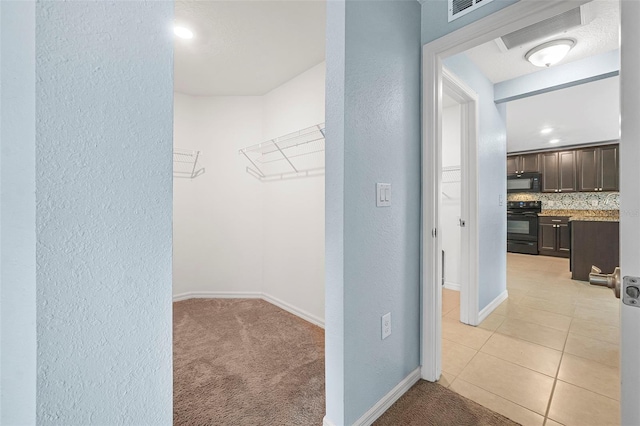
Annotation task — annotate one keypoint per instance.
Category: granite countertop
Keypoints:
(585, 215)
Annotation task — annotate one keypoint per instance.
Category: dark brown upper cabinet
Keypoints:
(525, 163)
(598, 169)
(558, 171)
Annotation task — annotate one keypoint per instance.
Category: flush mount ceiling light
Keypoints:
(546, 130)
(183, 32)
(549, 53)
(554, 141)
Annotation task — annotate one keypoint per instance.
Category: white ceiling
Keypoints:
(246, 47)
(599, 36)
(578, 115)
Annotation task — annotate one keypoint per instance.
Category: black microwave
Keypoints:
(523, 182)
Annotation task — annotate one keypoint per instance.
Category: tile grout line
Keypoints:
(555, 380)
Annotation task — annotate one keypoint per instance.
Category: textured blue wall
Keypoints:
(17, 214)
(104, 105)
(492, 183)
(373, 118)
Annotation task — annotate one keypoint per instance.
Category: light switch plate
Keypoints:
(383, 194)
(386, 325)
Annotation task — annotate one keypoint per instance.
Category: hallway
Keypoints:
(547, 355)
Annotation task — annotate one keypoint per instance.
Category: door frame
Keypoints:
(512, 18)
(468, 100)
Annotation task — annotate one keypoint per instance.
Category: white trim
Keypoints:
(519, 15)
(451, 286)
(251, 295)
(295, 311)
(326, 422)
(389, 399)
(469, 110)
(217, 295)
(484, 313)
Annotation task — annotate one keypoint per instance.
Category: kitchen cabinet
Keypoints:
(558, 171)
(525, 163)
(594, 244)
(598, 169)
(554, 236)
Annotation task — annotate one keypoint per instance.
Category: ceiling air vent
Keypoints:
(548, 28)
(458, 8)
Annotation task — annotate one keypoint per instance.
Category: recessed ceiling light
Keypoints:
(183, 32)
(549, 53)
(554, 141)
(546, 130)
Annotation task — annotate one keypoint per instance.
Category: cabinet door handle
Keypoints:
(556, 220)
(556, 190)
(559, 190)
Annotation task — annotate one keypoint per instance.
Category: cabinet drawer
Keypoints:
(554, 220)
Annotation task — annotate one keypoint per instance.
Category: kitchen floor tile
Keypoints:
(548, 319)
(446, 379)
(498, 404)
(455, 356)
(533, 333)
(556, 306)
(535, 357)
(472, 337)
(595, 330)
(572, 405)
(510, 381)
(593, 349)
(590, 375)
(492, 322)
(603, 316)
(454, 313)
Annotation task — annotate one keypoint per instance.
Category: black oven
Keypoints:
(522, 226)
(523, 182)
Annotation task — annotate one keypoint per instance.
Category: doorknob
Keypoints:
(596, 277)
(462, 223)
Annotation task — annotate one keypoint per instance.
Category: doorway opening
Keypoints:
(248, 271)
(483, 353)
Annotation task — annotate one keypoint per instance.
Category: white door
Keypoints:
(630, 206)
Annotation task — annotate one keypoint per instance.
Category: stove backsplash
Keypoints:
(571, 200)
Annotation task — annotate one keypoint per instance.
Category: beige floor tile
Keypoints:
(450, 300)
(510, 381)
(603, 316)
(454, 313)
(563, 307)
(495, 403)
(572, 405)
(517, 295)
(492, 322)
(455, 356)
(550, 422)
(549, 319)
(535, 357)
(590, 375)
(596, 330)
(599, 303)
(446, 379)
(466, 335)
(533, 333)
(593, 349)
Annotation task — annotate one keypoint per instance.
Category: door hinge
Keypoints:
(434, 232)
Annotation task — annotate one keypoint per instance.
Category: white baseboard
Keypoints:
(251, 295)
(217, 295)
(451, 286)
(388, 400)
(327, 422)
(492, 306)
(292, 309)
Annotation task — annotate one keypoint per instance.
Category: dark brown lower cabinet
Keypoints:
(594, 243)
(553, 236)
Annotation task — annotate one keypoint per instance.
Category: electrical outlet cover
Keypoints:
(386, 325)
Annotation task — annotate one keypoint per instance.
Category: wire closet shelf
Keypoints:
(295, 155)
(185, 163)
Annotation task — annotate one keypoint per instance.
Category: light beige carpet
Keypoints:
(245, 362)
(430, 404)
